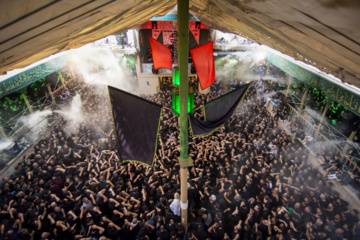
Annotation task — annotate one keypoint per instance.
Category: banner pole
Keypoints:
(183, 59)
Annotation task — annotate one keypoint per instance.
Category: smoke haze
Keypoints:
(36, 122)
(101, 67)
(73, 114)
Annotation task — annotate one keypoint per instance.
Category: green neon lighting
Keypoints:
(175, 77)
(176, 102)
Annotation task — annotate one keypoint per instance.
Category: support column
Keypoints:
(267, 69)
(183, 56)
(213, 35)
(304, 98)
(73, 76)
(223, 81)
(184, 197)
(138, 65)
(2, 132)
(347, 145)
(322, 119)
(61, 79)
(135, 39)
(289, 80)
(27, 103)
(50, 92)
(239, 73)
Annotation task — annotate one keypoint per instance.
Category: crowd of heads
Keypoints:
(250, 180)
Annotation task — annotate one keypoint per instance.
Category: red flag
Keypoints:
(203, 59)
(161, 54)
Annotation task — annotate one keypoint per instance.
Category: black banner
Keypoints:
(136, 122)
(218, 111)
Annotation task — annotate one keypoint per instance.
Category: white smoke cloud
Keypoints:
(36, 123)
(312, 114)
(73, 114)
(245, 61)
(5, 144)
(101, 67)
(266, 95)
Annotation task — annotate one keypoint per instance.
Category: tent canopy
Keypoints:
(321, 33)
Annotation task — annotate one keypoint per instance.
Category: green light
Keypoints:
(175, 77)
(176, 101)
(190, 102)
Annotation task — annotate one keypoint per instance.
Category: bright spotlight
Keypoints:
(261, 55)
(73, 59)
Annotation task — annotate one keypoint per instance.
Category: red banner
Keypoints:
(203, 59)
(168, 25)
(165, 25)
(161, 54)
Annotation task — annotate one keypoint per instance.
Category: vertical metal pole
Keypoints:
(346, 147)
(136, 45)
(267, 69)
(183, 59)
(138, 60)
(289, 80)
(138, 65)
(214, 36)
(73, 76)
(50, 92)
(61, 79)
(322, 118)
(304, 98)
(240, 73)
(27, 103)
(223, 81)
(2, 132)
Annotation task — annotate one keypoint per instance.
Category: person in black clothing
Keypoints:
(162, 233)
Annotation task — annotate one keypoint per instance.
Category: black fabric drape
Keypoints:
(144, 43)
(192, 41)
(204, 36)
(161, 38)
(218, 111)
(136, 122)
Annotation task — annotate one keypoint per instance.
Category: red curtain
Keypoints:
(203, 59)
(161, 54)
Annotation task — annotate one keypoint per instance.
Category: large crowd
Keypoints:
(250, 180)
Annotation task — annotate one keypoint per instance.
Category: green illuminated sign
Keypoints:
(176, 101)
(175, 77)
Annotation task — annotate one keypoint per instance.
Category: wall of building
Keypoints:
(148, 83)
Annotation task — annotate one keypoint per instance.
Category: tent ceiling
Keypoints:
(323, 33)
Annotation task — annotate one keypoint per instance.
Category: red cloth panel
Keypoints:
(203, 59)
(161, 54)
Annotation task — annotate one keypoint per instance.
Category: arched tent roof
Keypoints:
(323, 33)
